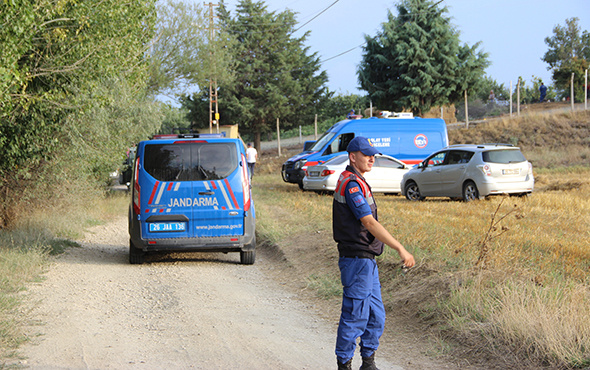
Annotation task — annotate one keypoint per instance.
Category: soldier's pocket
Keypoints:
(355, 275)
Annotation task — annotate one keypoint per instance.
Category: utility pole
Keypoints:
(213, 114)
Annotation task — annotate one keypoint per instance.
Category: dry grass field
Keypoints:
(506, 277)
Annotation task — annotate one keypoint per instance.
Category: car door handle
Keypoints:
(206, 192)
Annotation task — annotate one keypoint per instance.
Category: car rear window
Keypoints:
(337, 160)
(190, 161)
(503, 156)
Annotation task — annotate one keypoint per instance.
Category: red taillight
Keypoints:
(486, 169)
(327, 172)
(136, 188)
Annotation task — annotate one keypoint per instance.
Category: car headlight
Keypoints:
(299, 163)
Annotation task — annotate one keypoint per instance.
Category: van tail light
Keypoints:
(245, 184)
(327, 173)
(136, 188)
(486, 169)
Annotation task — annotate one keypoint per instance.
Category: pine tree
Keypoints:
(569, 52)
(416, 61)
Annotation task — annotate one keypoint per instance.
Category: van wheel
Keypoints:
(413, 192)
(470, 191)
(247, 257)
(136, 256)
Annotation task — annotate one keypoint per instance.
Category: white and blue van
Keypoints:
(407, 138)
(191, 193)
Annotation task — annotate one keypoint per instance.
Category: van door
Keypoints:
(218, 207)
(163, 195)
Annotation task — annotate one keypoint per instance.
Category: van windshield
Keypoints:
(322, 141)
(190, 161)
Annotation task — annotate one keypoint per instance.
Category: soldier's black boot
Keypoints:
(345, 366)
(369, 363)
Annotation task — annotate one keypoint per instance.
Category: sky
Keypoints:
(512, 32)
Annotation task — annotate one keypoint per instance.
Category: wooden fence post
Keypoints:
(572, 91)
(315, 127)
(518, 97)
(586, 91)
(278, 138)
(510, 98)
(466, 111)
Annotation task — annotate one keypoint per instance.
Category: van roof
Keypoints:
(379, 122)
(192, 135)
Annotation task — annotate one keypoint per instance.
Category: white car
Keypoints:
(470, 172)
(385, 176)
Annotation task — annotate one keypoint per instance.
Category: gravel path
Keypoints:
(95, 311)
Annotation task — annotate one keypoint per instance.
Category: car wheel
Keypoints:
(136, 255)
(412, 192)
(470, 191)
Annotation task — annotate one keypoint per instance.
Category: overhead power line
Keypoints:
(317, 15)
(344, 52)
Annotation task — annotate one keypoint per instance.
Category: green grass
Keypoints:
(325, 286)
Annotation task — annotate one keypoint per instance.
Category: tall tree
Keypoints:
(183, 54)
(62, 63)
(275, 75)
(416, 61)
(569, 52)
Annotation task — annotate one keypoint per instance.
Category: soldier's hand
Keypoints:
(408, 259)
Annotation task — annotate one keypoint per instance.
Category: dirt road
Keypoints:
(95, 311)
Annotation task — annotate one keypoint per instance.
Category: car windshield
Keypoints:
(503, 156)
(190, 161)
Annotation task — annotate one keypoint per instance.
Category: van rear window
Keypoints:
(503, 156)
(190, 161)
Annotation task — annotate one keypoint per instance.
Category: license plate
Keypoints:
(167, 226)
(314, 173)
(511, 171)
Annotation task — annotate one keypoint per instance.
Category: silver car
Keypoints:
(470, 172)
(385, 176)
